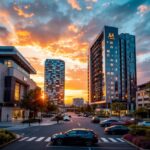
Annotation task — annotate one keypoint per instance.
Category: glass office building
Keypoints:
(55, 80)
(106, 71)
(128, 69)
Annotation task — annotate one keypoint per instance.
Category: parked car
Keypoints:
(66, 118)
(95, 120)
(144, 123)
(118, 123)
(116, 129)
(75, 136)
(107, 122)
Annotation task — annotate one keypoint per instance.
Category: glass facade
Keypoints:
(112, 68)
(128, 68)
(54, 80)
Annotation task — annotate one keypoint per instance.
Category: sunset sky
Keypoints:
(64, 29)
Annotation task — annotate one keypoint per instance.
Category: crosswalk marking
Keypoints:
(23, 138)
(119, 139)
(48, 139)
(112, 140)
(39, 139)
(104, 140)
(31, 139)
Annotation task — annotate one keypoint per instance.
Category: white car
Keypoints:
(144, 123)
(66, 118)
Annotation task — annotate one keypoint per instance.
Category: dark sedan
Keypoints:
(107, 123)
(116, 129)
(95, 120)
(75, 136)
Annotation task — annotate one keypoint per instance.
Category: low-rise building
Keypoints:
(78, 102)
(15, 82)
(143, 96)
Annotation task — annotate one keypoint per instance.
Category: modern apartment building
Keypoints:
(15, 82)
(55, 80)
(106, 68)
(143, 96)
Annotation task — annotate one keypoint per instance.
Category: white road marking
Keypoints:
(48, 139)
(113, 140)
(39, 139)
(119, 139)
(31, 139)
(23, 139)
(104, 140)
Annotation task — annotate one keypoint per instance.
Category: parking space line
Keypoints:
(39, 139)
(31, 139)
(48, 139)
(112, 140)
(104, 140)
(23, 138)
(119, 139)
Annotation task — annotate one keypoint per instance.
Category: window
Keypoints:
(111, 64)
(8, 63)
(17, 91)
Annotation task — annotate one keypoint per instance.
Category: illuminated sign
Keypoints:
(111, 36)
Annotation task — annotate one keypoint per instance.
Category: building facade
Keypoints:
(78, 102)
(15, 82)
(128, 69)
(106, 68)
(55, 80)
(143, 96)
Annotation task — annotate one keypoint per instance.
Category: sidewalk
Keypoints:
(17, 125)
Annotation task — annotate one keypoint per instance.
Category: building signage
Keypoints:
(111, 36)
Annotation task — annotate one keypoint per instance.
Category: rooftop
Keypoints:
(12, 52)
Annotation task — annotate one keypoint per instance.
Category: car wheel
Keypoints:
(89, 143)
(59, 142)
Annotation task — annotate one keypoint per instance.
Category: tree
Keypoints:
(33, 102)
(51, 107)
(141, 112)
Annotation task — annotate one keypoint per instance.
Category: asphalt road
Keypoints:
(38, 137)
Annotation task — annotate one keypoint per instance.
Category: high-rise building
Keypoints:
(128, 69)
(55, 80)
(15, 82)
(106, 67)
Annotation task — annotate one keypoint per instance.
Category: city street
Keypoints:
(38, 137)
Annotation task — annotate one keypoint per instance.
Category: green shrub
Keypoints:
(138, 131)
(6, 136)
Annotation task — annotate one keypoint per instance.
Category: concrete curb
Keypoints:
(140, 148)
(17, 138)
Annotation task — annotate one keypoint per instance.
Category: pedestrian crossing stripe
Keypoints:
(39, 139)
(48, 139)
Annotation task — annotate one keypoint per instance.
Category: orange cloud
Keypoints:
(74, 4)
(73, 28)
(21, 13)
